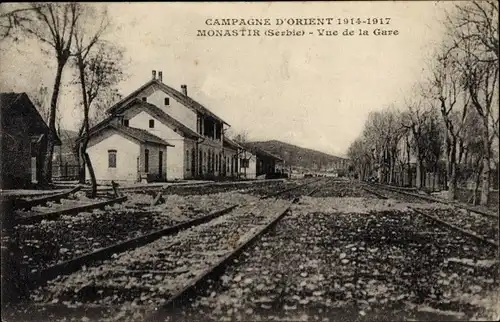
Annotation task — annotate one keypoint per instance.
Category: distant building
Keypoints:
(232, 151)
(260, 163)
(247, 165)
(23, 140)
(65, 163)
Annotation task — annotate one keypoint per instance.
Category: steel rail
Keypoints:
(428, 198)
(187, 186)
(96, 309)
(453, 227)
(31, 219)
(75, 264)
(442, 222)
(28, 204)
(275, 194)
(72, 265)
(214, 271)
(379, 195)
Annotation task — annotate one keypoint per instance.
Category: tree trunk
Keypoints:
(92, 175)
(452, 168)
(86, 125)
(81, 164)
(477, 181)
(51, 138)
(408, 147)
(485, 176)
(391, 173)
(485, 187)
(452, 185)
(418, 179)
(80, 159)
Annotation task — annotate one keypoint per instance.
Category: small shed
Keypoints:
(23, 138)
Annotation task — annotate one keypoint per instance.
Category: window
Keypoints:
(245, 163)
(146, 160)
(111, 158)
(151, 124)
(144, 99)
(125, 122)
(187, 160)
(167, 101)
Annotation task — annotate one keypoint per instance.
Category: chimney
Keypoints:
(184, 90)
(160, 76)
(154, 74)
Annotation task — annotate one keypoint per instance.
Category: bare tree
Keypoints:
(107, 97)
(361, 158)
(414, 120)
(240, 137)
(53, 25)
(98, 68)
(445, 87)
(383, 131)
(41, 100)
(374, 138)
(473, 29)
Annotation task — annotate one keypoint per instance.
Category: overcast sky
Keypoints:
(311, 91)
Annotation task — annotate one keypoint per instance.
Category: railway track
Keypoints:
(194, 188)
(28, 203)
(55, 247)
(161, 264)
(413, 193)
(477, 225)
(344, 266)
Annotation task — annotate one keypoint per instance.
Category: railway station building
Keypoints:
(189, 139)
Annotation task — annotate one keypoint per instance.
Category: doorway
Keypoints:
(160, 164)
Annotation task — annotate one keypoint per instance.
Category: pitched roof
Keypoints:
(157, 112)
(141, 135)
(21, 103)
(231, 143)
(138, 134)
(178, 96)
(257, 150)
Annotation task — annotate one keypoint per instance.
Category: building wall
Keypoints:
(190, 155)
(126, 156)
(153, 171)
(212, 153)
(175, 161)
(265, 165)
(15, 156)
(251, 171)
(179, 163)
(230, 155)
(175, 109)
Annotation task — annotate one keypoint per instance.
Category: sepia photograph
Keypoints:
(249, 161)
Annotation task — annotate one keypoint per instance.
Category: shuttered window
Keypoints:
(111, 158)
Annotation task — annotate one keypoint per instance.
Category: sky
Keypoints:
(312, 91)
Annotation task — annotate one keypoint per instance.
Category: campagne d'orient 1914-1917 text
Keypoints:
(296, 27)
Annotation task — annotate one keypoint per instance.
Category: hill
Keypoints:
(299, 157)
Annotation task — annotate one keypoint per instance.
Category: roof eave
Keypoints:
(165, 143)
(123, 100)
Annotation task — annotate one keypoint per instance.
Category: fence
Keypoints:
(64, 172)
